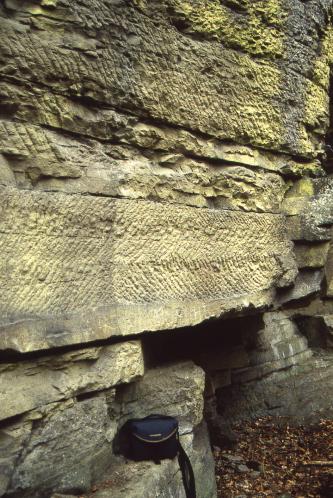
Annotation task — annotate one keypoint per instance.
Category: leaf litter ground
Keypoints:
(269, 461)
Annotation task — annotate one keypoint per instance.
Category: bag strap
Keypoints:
(187, 472)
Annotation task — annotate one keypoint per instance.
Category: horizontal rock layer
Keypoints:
(181, 80)
(113, 257)
(54, 378)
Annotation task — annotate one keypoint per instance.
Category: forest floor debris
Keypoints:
(268, 461)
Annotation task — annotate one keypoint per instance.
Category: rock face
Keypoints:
(54, 378)
(163, 165)
(66, 446)
(271, 371)
(79, 253)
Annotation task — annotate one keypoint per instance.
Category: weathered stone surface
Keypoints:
(276, 346)
(126, 319)
(127, 69)
(7, 176)
(63, 163)
(329, 272)
(257, 349)
(81, 162)
(13, 437)
(175, 390)
(279, 350)
(66, 447)
(277, 327)
(307, 282)
(78, 252)
(318, 330)
(311, 210)
(69, 446)
(144, 158)
(315, 306)
(271, 366)
(298, 196)
(59, 377)
(302, 392)
(328, 319)
(311, 256)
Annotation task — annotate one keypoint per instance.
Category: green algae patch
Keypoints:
(253, 26)
(317, 102)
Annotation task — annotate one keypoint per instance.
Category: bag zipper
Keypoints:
(159, 441)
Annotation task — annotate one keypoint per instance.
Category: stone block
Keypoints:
(307, 282)
(175, 390)
(7, 176)
(53, 378)
(69, 446)
(329, 272)
(277, 327)
(13, 437)
(66, 447)
(279, 351)
(78, 268)
(298, 196)
(133, 175)
(184, 91)
(311, 256)
(312, 215)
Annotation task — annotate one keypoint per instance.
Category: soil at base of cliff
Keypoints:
(269, 461)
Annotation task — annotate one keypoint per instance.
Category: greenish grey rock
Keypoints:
(329, 272)
(66, 447)
(309, 205)
(276, 106)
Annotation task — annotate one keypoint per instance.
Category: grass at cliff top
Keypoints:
(274, 454)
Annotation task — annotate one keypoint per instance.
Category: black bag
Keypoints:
(155, 438)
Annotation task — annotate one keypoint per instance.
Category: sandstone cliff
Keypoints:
(165, 170)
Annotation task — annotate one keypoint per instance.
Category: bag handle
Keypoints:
(187, 472)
